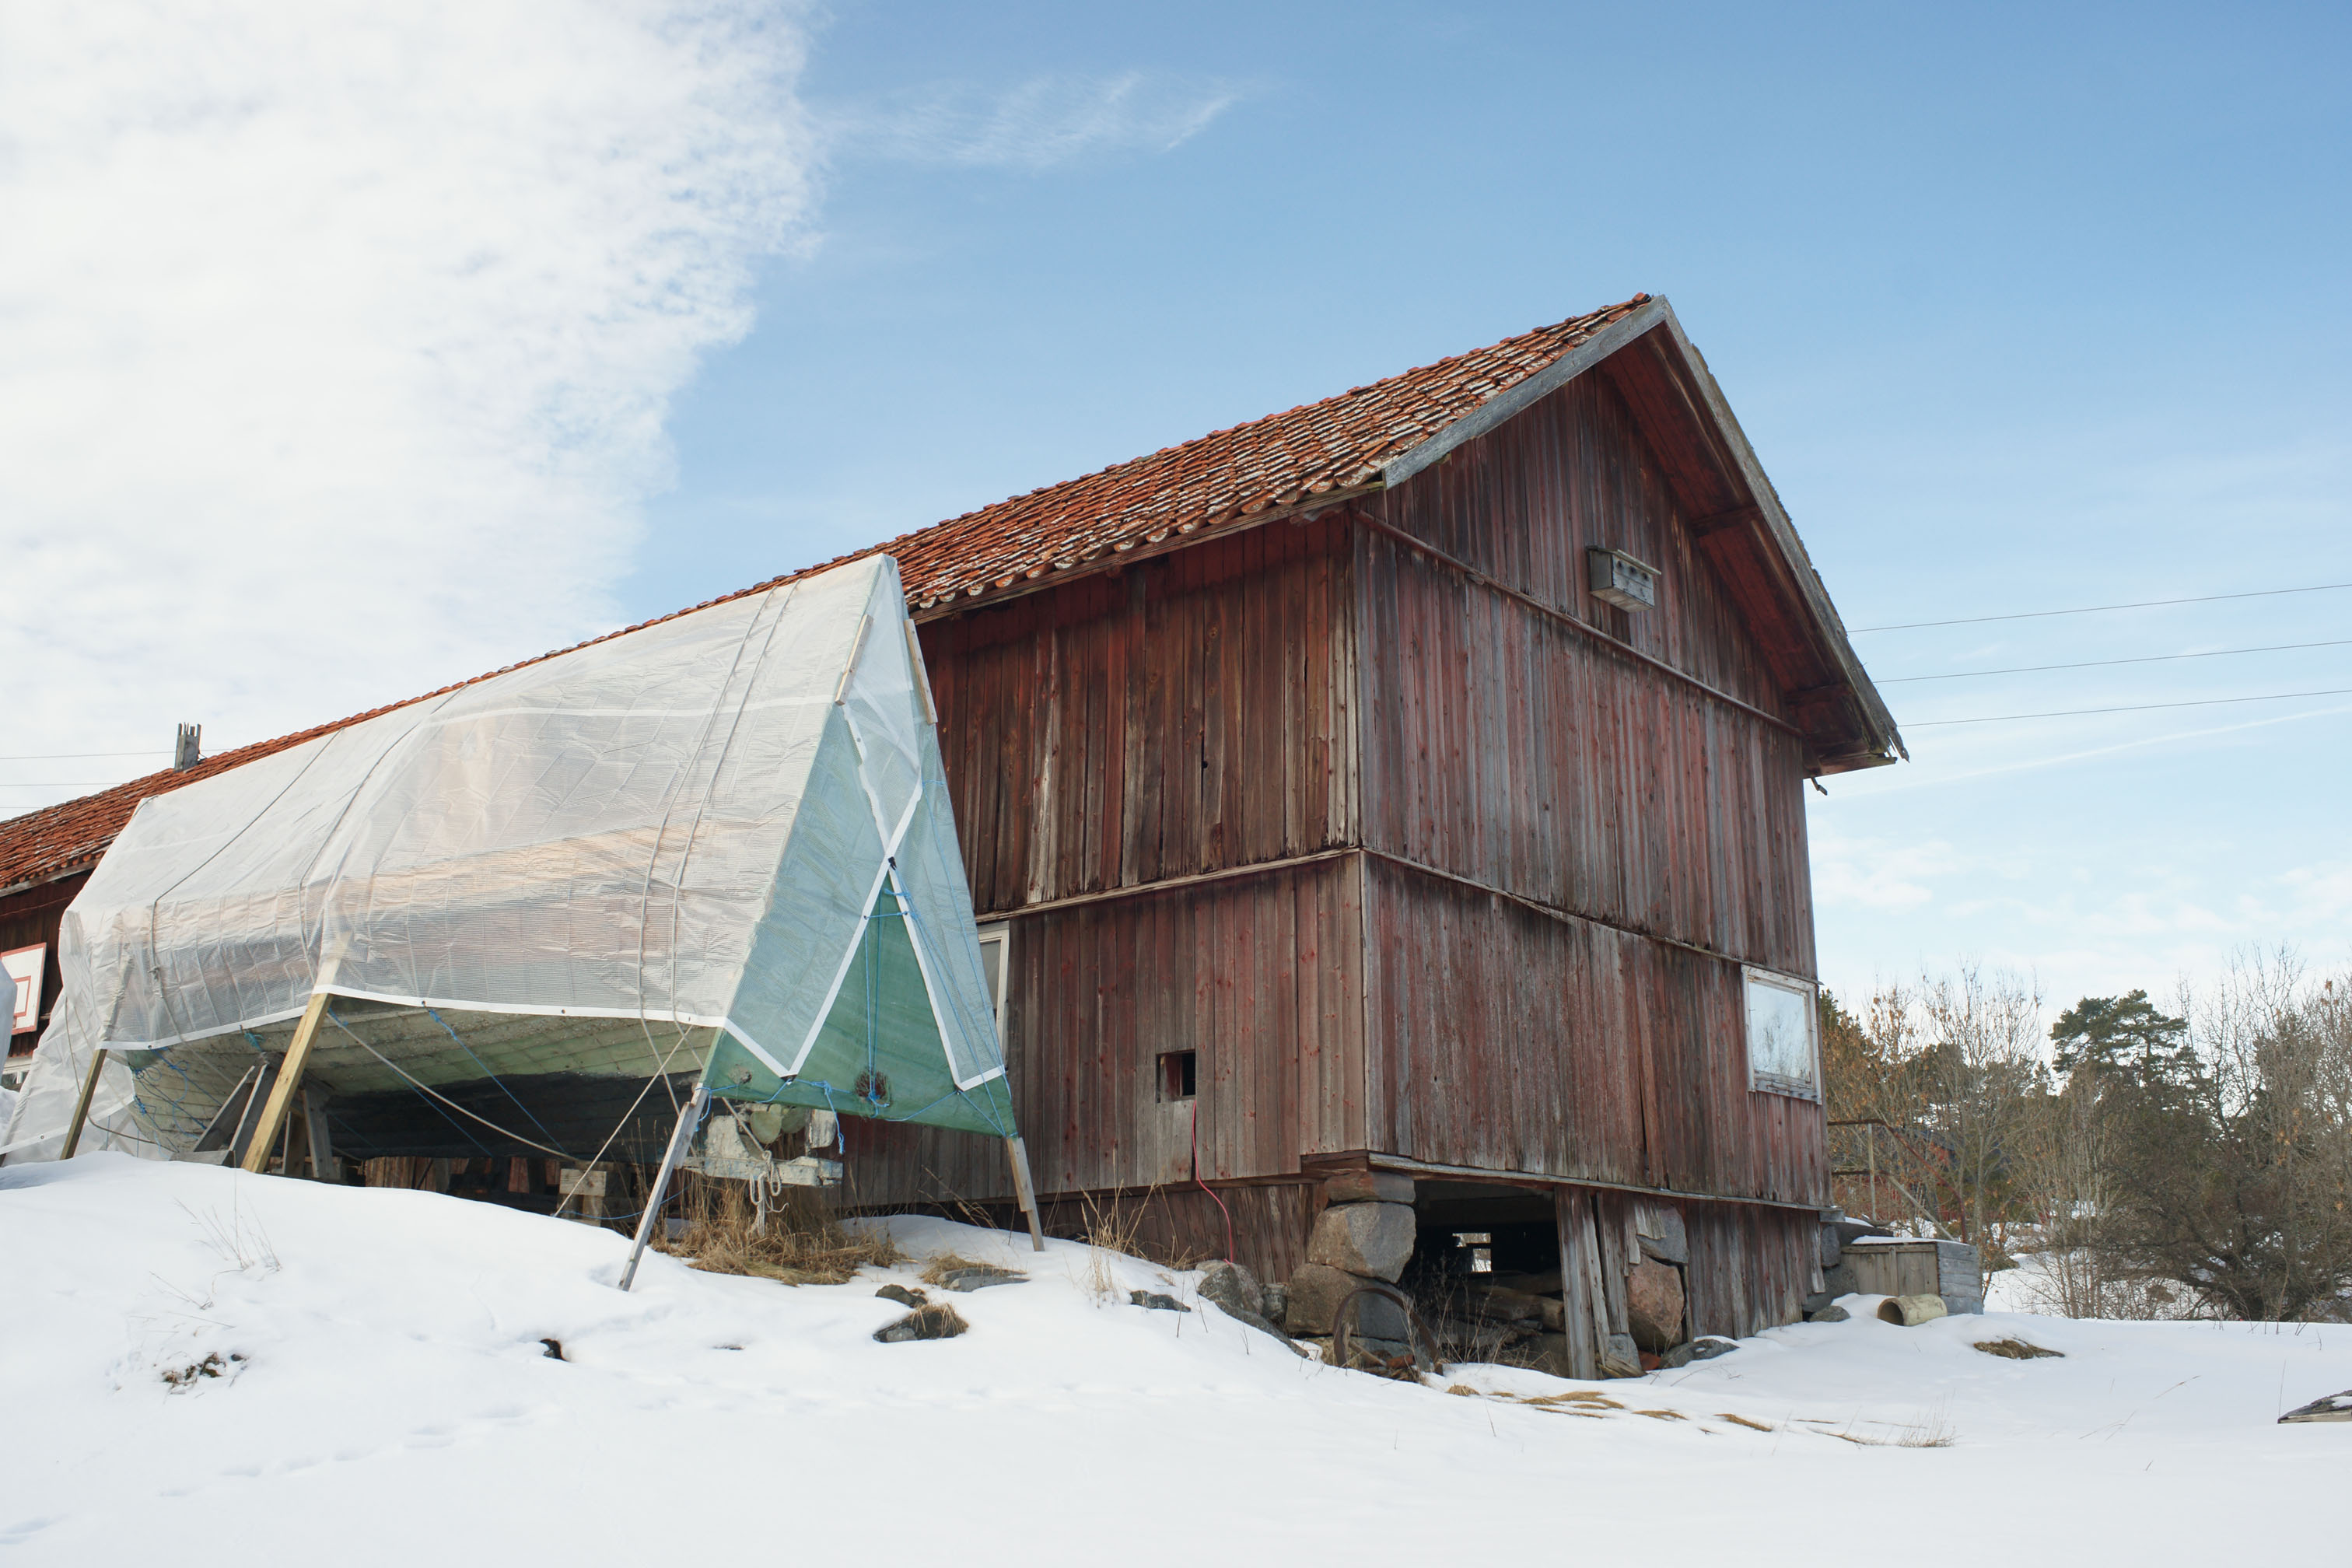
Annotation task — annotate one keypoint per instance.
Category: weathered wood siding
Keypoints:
(1505, 1037)
(1190, 719)
(1751, 1267)
(1259, 974)
(1542, 810)
(1193, 713)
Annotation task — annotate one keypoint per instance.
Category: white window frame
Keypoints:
(996, 953)
(1761, 1082)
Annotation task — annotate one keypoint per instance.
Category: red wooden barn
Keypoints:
(1397, 798)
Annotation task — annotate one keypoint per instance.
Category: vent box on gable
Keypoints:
(1617, 579)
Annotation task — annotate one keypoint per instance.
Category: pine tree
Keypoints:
(2123, 1037)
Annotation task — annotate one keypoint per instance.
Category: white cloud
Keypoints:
(339, 337)
(1855, 873)
(1045, 122)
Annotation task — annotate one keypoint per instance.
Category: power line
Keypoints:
(2102, 663)
(2094, 609)
(80, 757)
(2134, 707)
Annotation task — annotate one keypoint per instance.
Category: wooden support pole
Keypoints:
(687, 1120)
(1025, 1190)
(322, 1141)
(289, 1075)
(81, 1106)
(249, 1115)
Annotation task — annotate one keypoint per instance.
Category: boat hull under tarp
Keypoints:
(507, 1084)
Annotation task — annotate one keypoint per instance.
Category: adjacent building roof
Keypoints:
(1316, 453)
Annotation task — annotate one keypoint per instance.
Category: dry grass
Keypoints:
(801, 1244)
(1575, 1396)
(937, 1270)
(1111, 1233)
(1741, 1421)
(2016, 1350)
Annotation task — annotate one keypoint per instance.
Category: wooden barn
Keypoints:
(1395, 803)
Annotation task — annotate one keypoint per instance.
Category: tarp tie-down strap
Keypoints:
(445, 1100)
(494, 1077)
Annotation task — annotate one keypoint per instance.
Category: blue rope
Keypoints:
(494, 1077)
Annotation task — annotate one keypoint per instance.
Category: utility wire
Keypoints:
(2094, 609)
(2102, 663)
(2132, 708)
(77, 756)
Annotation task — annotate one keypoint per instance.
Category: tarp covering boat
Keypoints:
(727, 834)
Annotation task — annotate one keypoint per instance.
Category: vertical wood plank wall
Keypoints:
(1436, 864)
(1193, 713)
(1192, 716)
(1509, 752)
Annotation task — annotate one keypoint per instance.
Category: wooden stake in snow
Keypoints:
(687, 1120)
(1018, 1153)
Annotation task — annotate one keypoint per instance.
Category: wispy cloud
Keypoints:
(340, 336)
(1043, 122)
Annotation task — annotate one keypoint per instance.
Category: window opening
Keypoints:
(1179, 1077)
(995, 949)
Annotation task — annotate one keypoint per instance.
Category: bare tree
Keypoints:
(2238, 1175)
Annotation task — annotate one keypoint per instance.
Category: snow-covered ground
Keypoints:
(393, 1405)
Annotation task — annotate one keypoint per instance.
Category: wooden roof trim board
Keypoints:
(1742, 531)
(1298, 462)
(1501, 409)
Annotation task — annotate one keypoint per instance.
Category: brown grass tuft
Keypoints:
(937, 1270)
(803, 1244)
(2016, 1350)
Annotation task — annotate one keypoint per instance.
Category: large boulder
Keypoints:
(1832, 1248)
(1653, 1305)
(1619, 1358)
(1318, 1289)
(937, 1322)
(2328, 1407)
(1659, 1230)
(1234, 1288)
(1372, 1239)
(1368, 1187)
(1850, 1231)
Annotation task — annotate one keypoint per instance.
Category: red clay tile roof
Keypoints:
(1229, 476)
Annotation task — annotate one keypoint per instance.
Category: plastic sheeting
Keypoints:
(696, 824)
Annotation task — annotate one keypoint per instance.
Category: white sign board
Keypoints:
(24, 966)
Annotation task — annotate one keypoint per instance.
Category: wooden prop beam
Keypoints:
(290, 1077)
(81, 1106)
(689, 1120)
(322, 1142)
(1024, 1189)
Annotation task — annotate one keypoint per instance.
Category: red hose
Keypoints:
(1205, 1187)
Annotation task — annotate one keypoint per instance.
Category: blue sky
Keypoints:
(2023, 307)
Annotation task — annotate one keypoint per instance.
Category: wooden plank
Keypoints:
(290, 1077)
(81, 1103)
(1584, 1314)
(321, 1137)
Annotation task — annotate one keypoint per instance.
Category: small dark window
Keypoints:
(1177, 1078)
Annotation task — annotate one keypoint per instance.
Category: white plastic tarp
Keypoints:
(681, 824)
